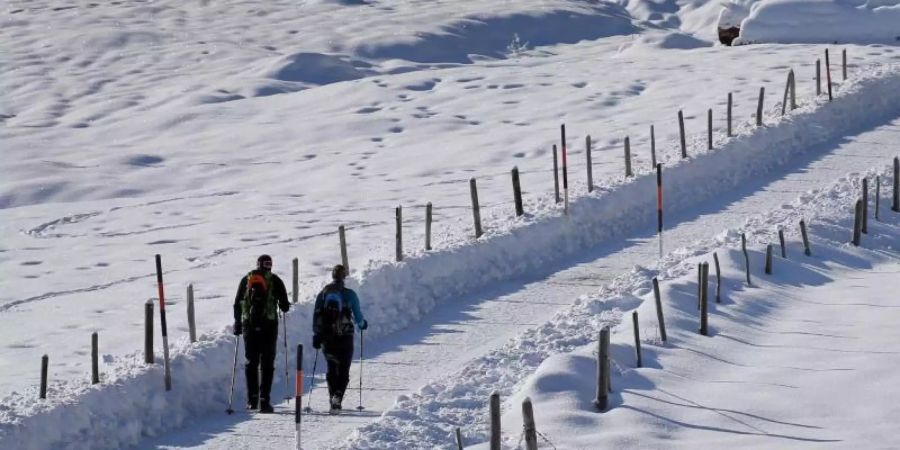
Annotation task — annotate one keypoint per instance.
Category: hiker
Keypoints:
(256, 304)
(336, 310)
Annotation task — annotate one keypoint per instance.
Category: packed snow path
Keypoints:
(458, 331)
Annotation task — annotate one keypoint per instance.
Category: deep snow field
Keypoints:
(212, 132)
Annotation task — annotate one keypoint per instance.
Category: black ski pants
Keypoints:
(338, 351)
(260, 347)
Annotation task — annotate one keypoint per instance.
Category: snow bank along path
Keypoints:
(805, 358)
(562, 387)
(133, 404)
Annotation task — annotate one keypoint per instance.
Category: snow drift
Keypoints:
(821, 21)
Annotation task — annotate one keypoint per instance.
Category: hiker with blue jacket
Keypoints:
(336, 311)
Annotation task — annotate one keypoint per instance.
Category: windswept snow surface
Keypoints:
(213, 132)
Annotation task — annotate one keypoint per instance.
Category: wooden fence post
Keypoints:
(530, 429)
(828, 74)
(652, 146)
(709, 130)
(342, 237)
(768, 259)
(793, 90)
(729, 114)
(565, 167)
(857, 223)
(699, 286)
(555, 175)
(495, 421)
(45, 363)
(896, 203)
(398, 214)
(865, 210)
(681, 131)
(659, 310)
(148, 332)
(781, 241)
(517, 192)
(476, 210)
(844, 63)
(628, 172)
(806, 249)
(295, 280)
(704, 299)
(428, 219)
(759, 107)
(601, 402)
(192, 323)
(459, 439)
(746, 257)
(787, 88)
(818, 77)
(590, 165)
(95, 358)
(718, 278)
(637, 338)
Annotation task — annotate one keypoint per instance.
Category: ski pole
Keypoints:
(312, 384)
(237, 343)
(298, 394)
(287, 389)
(361, 341)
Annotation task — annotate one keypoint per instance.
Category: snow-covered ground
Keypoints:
(213, 132)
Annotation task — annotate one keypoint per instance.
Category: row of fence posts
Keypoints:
(861, 208)
(517, 193)
(559, 153)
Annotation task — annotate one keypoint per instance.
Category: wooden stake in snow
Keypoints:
(590, 165)
(162, 322)
(652, 146)
(495, 421)
(628, 172)
(192, 324)
(659, 207)
(896, 203)
(709, 130)
(565, 169)
(95, 358)
(517, 192)
(789, 89)
(428, 219)
(759, 107)
(637, 338)
(768, 259)
(295, 280)
(828, 74)
(865, 211)
(398, 216)
(528, 425)
(45, 364)
(459, 439)
(704, 299)
(555, 175)
(857, 223)
(476, 210)
(718, 278)
(681, 131)
(746, 257)
(844, 63)
(781, 241)
(729, 114)
(601, 401)
(148, 332)
(659, 310)
(342, 237)
(806, 249)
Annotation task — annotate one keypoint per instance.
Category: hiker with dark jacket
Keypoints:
(336, 311)
(259, 296)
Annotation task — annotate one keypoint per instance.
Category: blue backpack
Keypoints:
(336, 314)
